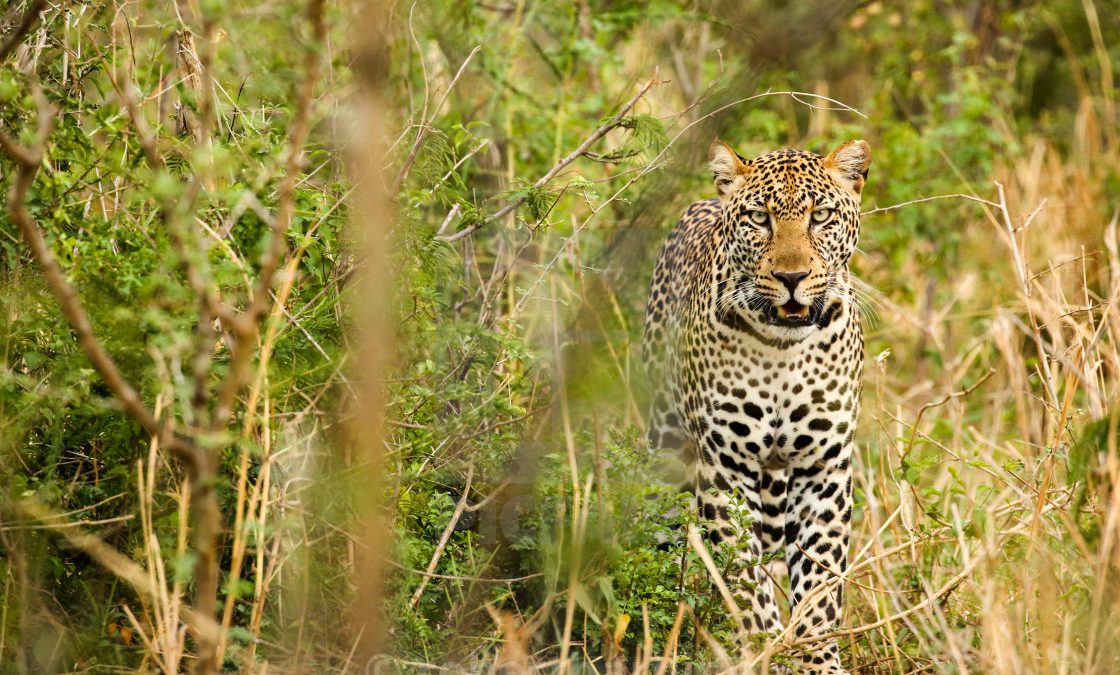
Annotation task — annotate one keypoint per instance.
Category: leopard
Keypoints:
(754, 350)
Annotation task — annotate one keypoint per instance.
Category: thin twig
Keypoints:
(1025, 288)
(958, 195)
(24, 27)
(697, 545)
(425, 126)
(485, 142)
(447, 221)
(447, 532)
(656, 163)
(246, 325)
(859, 630)
(455, 577)
(936, 404)
(559, 166)
(29, 160)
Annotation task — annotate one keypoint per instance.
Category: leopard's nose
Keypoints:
(790, 279)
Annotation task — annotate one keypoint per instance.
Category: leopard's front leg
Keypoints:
(733, 512)
(817, 529)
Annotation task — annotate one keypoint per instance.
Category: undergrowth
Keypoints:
(535, 155)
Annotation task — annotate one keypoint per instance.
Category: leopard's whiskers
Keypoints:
(867, 299)
(738, 293)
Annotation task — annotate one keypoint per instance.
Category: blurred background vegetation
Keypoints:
(535, 155)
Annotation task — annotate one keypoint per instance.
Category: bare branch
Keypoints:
(936, 404)
(447, 221)
(123, 567)
(245, 326)
(425, 127)
(29, 161)
(447, 532)
(894, 207)
(24, 27)
(562, 164)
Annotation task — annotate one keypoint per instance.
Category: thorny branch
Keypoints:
(246, 325)
(560, 166)
(28, 161)
(425, 125)
(27, 22)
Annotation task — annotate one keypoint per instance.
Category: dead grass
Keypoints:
(981, 543)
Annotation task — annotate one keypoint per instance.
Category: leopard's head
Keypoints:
(791, 222)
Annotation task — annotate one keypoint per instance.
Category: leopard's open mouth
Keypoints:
(793, 314)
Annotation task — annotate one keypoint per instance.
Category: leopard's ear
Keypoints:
(848, 164)
(728, 168)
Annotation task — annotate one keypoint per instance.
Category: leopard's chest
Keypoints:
(748, 404)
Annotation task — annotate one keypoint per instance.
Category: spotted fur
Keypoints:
(755, 355)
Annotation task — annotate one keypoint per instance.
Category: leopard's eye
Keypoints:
(760, 218)
(821, 216)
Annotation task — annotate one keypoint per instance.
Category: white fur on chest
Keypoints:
(775, 406)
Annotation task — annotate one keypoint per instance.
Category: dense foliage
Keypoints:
(536, 155)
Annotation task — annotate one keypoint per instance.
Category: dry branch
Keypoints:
(26, 23)
(931, 597)
(246, 326)
(444, 538)
(110, 558)
(425, 125)
(29, 160)
(559, 166)
(959, 195)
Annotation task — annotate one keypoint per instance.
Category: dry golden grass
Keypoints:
(987, 529)
(985, 558)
